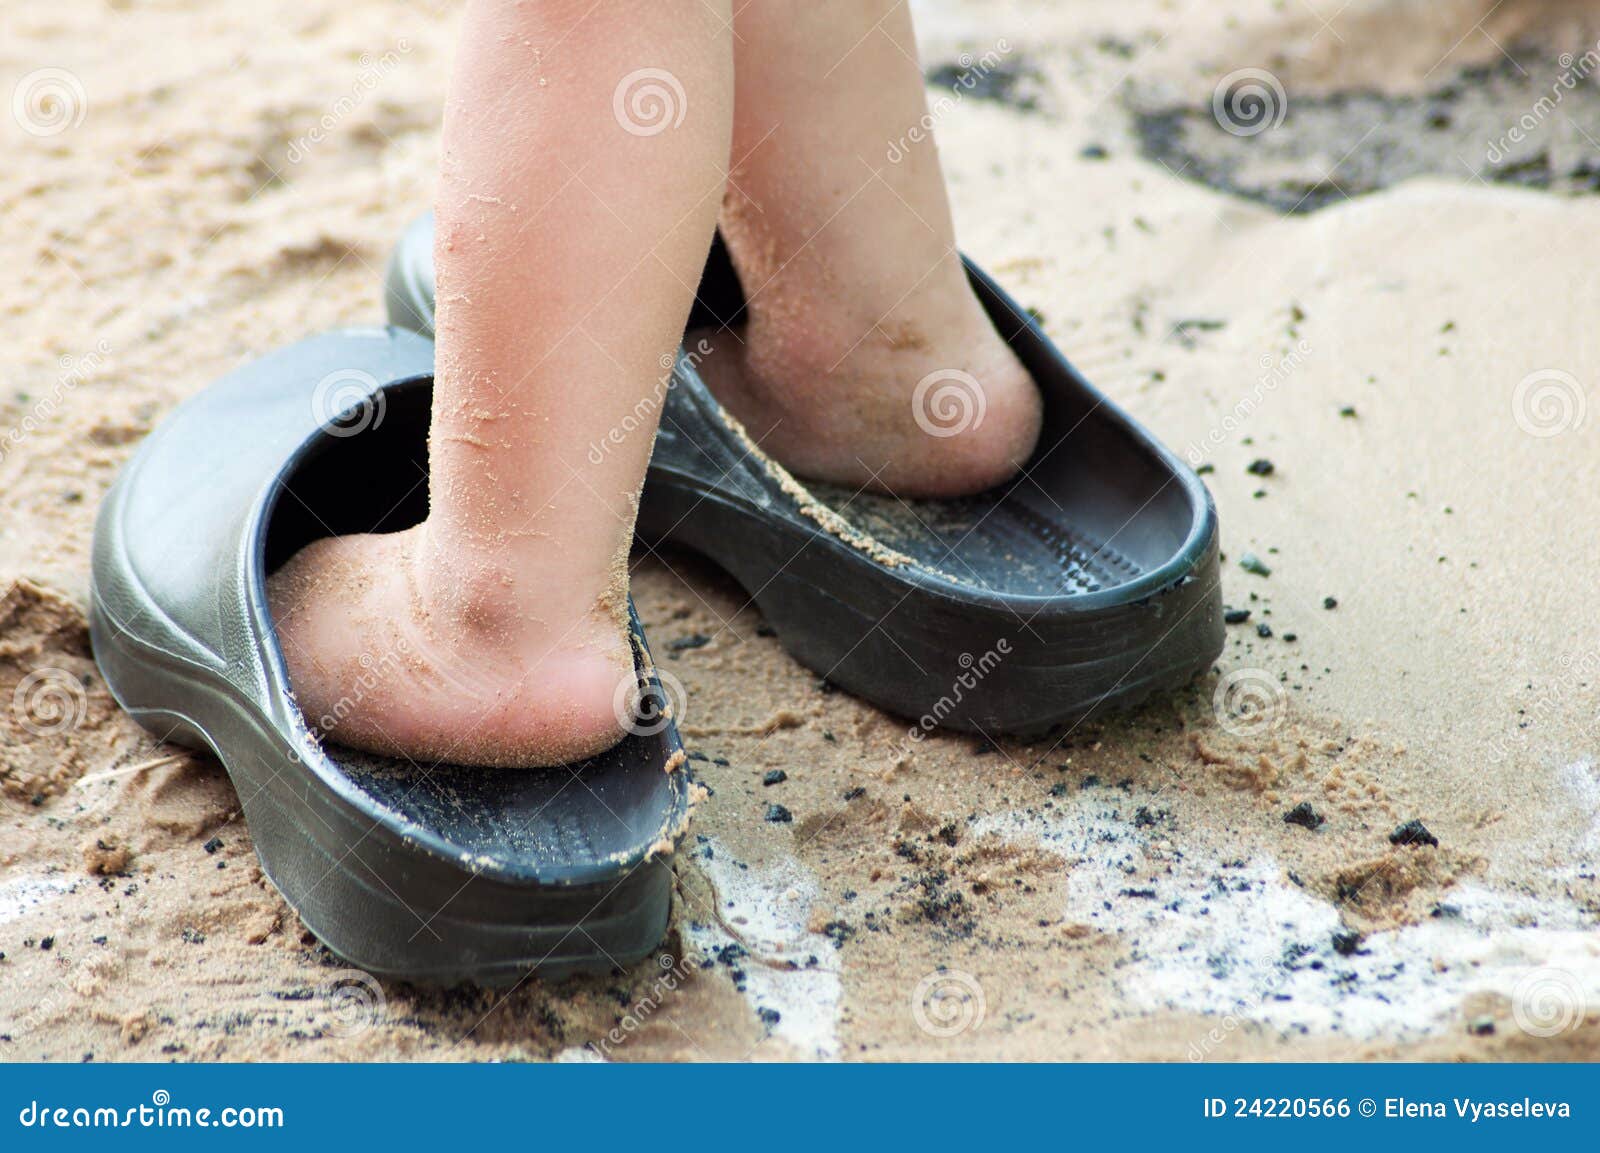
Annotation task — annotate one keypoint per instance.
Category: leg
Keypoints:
(574, 214)
(856, 290)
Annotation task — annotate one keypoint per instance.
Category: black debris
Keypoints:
(1304, 816)
(1233, 616)
(774, 777)
(778, 815)
(1261, 467)
(692, 641)
(1330, 603)
(1263, 630)
(1094, 152)
(213, 844)
(1251, 563)
(1347, 944)
(855, 793)
(1412, 834)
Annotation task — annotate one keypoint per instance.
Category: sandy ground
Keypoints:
(1417, 361)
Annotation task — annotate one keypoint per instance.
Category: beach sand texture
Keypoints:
(1389, 295)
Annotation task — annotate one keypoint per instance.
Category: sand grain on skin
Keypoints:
(1453, 684)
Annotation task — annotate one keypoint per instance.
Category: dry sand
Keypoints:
(1129, 891)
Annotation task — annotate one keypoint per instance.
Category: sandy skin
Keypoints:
(1400, 705)
(560, 295)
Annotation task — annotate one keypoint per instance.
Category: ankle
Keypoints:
(517, 600)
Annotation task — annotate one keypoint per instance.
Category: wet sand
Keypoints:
(1411, 352)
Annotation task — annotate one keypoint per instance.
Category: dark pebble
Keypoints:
(47, 943)
(1263, 630)
(1094, 152)
(855, 793)
(1412, 834)
(774, 777)
(779, 815)
(1251, 563)
(1235, 616)
(1347, 944)
(213, 844)
(692, 641)
(769, 1017)
(1261, 467)
(1304, 816)
(1330, 603)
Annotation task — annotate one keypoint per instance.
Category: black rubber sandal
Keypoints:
(1088, 583)
(440, 873)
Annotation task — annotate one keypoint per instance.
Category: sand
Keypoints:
(1129, 891)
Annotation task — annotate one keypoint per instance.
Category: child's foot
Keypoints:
(867, 358)
(397, 648)
(925, 400)
(583, 147)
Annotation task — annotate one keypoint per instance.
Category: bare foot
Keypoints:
(927, 401)
(392, 651)
(583, 149)
(867, 358)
